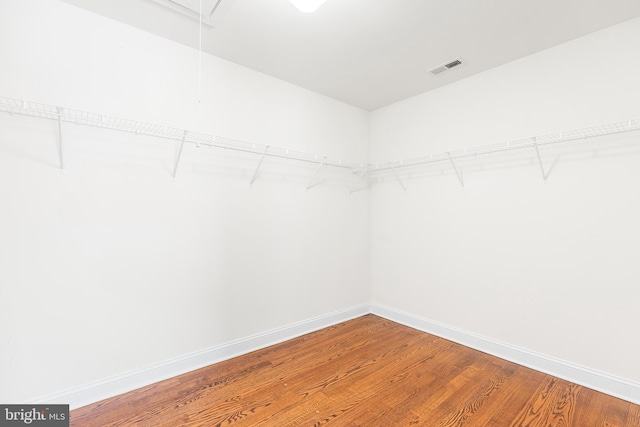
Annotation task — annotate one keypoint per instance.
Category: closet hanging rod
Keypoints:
(45, 111)
(549, 139)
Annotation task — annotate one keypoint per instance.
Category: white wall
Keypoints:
(552, 267)
(112, 265)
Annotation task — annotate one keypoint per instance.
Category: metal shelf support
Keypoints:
(360, 176)
(314, 175)
(545, 175)
(398, 179)
(458, 174)
(61, 158)
(175, 166)
(255, 174)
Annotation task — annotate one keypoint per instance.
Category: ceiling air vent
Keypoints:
(193, 8)
(453, 64)
(446, 67)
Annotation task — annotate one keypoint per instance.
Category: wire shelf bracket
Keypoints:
(61, 158)
(255, 174)
(399, 180)
(361, 175)
(545, 175)
(458, 173)
(175, 166)
(311, 184)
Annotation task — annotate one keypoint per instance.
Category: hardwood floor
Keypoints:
(365, 372)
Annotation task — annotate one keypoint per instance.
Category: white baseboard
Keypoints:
(605, 383)
(94, 392)
(114, 386)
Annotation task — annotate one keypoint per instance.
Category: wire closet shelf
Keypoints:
(68, 115)
(530, 142)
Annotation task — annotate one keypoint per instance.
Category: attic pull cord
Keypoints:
(199, 97)
(199, 94)
(200, 57)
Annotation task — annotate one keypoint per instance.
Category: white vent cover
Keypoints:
(191, 8)
(446, 67)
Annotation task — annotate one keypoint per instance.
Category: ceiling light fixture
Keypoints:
(307, 6)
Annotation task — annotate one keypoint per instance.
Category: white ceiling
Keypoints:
(371, 53)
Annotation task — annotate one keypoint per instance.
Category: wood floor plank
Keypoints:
(591, 407)
(365, 372)
(612, 412)
(633, 416)
(464, 404)
(617, 413)
(506, 402)
(417, 407)
(552, 404)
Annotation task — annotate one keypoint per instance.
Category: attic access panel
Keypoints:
(194, 8)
